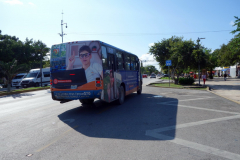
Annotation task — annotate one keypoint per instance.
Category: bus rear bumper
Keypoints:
(74, 95)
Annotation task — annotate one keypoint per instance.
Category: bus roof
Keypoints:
(100, 43)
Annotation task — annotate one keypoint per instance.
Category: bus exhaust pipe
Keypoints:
(65, 101)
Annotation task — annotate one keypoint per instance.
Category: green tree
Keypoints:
(211, 61)
(177, 50)
(10, 70)
(149, 69)
(229, 54)
(27, 52)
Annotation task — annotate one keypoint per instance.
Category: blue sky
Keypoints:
(131, 25)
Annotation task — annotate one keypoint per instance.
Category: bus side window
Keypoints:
(133, 63)
(127, 62)
(104, 57)
(119, 61)
(123, 61)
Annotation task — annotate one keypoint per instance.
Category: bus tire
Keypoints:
(140, 89)
(121, 95)
(37, 85)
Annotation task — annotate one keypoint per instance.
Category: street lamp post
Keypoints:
(198, 40)
(62, 29)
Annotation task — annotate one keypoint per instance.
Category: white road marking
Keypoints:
(193, 145)
(191, 124)
(214, 110)
(184, 100)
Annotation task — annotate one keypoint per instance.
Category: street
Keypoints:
(161, 123)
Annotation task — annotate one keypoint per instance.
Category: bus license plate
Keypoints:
(73, 86)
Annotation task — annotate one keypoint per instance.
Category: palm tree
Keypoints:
(10, 70)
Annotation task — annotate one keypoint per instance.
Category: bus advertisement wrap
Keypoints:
(76, 67)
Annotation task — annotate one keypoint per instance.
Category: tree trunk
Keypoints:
(9, 87)
(211, 76)
(176, 80)
(9, 82)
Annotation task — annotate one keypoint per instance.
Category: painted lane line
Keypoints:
(214, 110)
(184, 100)
(191, 124)
(196, 146)
(56, 139)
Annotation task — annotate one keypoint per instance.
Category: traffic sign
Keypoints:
(168, 62)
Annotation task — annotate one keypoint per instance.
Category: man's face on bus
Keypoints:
(85, 57)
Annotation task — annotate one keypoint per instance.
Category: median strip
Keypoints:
(3, 93)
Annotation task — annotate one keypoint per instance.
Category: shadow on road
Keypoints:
(17, 95)
(225, 87)
(128, 121)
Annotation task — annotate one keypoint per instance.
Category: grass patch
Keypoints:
(23, 90)
(167, 85)
(31, 88)
(165, 78)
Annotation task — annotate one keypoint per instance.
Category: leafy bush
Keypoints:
(187, 80)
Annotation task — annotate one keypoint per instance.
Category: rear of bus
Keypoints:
(76, 71)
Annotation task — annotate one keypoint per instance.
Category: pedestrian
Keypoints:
(225, 76)
(204, 79)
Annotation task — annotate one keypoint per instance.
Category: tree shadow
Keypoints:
(225, 87)
(130, 120)
(19, 95)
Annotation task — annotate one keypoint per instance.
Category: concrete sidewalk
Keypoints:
(229, 89)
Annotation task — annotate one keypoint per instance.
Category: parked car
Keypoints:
(153, 76)
(17, 80)
(33, 78)
(165, 75)
(144, 76)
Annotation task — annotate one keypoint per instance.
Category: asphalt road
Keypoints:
(159, 124)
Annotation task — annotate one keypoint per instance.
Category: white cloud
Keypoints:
(231, 23)
(13, 2)
(32, 4)
(148, 59)
(151, 44)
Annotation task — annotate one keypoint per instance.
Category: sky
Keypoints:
(132, 25)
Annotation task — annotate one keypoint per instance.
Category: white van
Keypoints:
(33, 78)
(16, 81)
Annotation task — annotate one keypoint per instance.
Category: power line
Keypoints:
(141, 34)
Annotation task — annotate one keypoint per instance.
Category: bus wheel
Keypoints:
(121, 95)
(140, 90)
(37, 85)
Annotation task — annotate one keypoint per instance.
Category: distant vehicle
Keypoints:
(153, 76)
(33, 78)
(1, 86)
(144, 76)
(16, 81)
(165, 75)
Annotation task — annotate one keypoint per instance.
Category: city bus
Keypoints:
(86, 70)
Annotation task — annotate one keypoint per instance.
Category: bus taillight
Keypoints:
(98, 82)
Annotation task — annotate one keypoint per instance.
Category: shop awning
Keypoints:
(224, 69)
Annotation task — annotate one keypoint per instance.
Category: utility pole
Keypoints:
(198, 40)
(62, 28)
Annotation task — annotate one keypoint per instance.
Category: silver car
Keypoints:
(153, 76)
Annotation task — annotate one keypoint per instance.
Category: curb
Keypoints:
(222, 96)
(150, 85)
(18, 92)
